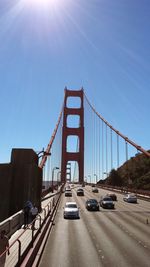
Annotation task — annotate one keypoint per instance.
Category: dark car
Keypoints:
(80, 192)
(106, 202)
(68, 192)
(95, 190)
(92, 204)
(113, 196)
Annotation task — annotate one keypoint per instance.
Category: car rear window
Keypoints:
(71, 206)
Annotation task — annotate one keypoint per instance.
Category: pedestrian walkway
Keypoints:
(23, 237)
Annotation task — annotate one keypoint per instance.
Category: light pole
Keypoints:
(96, 177)
(90, 178)
(43, 153)
(55, 168)
(85, 179)
(58, 173)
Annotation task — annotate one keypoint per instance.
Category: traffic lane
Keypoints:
(69, 243)
(120, 203)
(117, 245)
(133, 222)
(139, 212)
(127, 235)
(105, 249)
(139, 230)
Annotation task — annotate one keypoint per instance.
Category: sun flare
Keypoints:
(42, 3)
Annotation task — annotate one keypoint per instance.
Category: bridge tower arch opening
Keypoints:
(68, 132)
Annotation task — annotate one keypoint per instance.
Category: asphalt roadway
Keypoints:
(114, 238)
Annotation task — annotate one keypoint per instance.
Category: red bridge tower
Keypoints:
(79, 132)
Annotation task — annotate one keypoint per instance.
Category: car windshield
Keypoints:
(131, 195)
(92, 200)
(71, 206)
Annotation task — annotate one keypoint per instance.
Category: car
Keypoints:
(71, 210)
(68, 192)
(113, 196)
(130, 198)
(106, 202)
(94, 189)
(80, 192)
(92, 204)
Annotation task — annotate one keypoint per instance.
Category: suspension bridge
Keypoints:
(84, 150)
(97, 146)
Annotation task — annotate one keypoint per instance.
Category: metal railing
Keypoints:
(20, 246)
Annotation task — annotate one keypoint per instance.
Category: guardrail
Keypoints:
(29, 239)
(13, 223)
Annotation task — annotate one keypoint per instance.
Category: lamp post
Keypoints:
(90, 178)
(55, 168)
(43, 153)
(85, 179)
(58, 173)
(96, 177)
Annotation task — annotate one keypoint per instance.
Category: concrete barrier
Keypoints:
(12, 224)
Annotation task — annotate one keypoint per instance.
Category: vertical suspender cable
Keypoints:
(126, 143)
(120, 134)
(102, 150)
(106, 153)
(48, 170)
(117, 151)
(111, 147)
(99, 146)
(95, 170)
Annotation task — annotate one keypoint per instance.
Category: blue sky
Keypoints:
(45, 45)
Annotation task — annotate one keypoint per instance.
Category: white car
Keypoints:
(71, 210)
(131, 198)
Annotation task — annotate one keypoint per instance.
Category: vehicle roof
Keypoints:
(80, 189)
(71, 202)
(92, 199)
(131, 195)
(106, 197)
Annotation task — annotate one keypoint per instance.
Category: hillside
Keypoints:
(134, 173)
